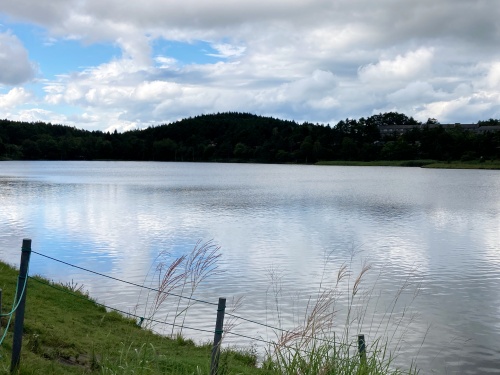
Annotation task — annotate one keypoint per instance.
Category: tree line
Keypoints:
(243, 137)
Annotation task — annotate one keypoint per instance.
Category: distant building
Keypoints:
(400, 129)
(486, 129)
(396, 129)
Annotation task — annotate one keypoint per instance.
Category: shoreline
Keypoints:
(436, 164)
(476, 164)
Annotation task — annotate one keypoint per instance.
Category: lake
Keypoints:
(431, 238)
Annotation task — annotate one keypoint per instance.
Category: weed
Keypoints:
(325, 342)
(180, 277)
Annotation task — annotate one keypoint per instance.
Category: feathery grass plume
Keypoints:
(181, 276)
(326, 340)
(170, 276)
(200, 264)
(232, 308)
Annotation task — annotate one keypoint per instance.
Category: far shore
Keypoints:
(456, 164)
(474, 164)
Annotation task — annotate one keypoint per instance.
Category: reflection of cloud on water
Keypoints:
(274, 216)
(452, 221)
(489, 234)
(399, 250)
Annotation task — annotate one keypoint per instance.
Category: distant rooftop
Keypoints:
(400, 129)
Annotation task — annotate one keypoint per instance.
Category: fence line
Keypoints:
(20, 298)
(184, 297)
(83, 297)
(283, 330)
(124, 281)
(61, 289)
(17, 341)
(142, 318)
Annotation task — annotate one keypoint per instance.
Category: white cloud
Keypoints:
(156, 90)
(165, 62)
(15, 66)
(227, 50)
(309, 60)
(412, 65)
(15, 97)
(39, 114)
(415, 92)
(493, 77)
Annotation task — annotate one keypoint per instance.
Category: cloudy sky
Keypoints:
(109, 64)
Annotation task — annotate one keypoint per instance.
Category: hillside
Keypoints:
(242, 137)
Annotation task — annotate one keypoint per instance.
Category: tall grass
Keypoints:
(325, 340)
(178, 278)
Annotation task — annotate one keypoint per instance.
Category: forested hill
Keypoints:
(247, 137)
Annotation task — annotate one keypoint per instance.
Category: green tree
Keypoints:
(30, 150)
(3, 148)
(165, 150)
(349, 150)
(398, 150)
(306, 149)
(489, 122)
(241, 151)
(49, 147)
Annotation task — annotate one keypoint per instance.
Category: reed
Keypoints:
(179, 278)
(325, 341)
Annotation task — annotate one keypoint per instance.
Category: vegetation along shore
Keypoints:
(383, 139)
(67, 332)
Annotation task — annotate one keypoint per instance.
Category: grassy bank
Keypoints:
(379, 163)
(476, 164)
(64, 334)
(488, 164)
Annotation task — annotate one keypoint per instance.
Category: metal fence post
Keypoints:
(219, 325)
(362, 348)
(21, 298)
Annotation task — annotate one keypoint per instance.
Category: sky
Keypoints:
(121, 65)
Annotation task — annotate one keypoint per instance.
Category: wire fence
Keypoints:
(199, 300)
(20, 296)
(125, 313)
(124, 281)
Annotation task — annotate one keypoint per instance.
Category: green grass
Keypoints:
(64, 334)
(475, 164)
(378, 163)
(68, 335)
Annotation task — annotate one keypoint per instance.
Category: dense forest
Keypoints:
(251, 138)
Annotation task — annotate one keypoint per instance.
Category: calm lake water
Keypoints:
(431, 237)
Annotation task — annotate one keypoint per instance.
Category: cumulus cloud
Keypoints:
(308, 60)
(493, 76)
(407, 67)
(15, 66)
(39, 114)
(227, 50)
(15, 97)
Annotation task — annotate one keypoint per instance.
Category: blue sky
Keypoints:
(58, 56)
(124, 65)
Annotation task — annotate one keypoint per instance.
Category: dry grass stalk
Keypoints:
(232, 322)
(184, 273)
(201, 263)
(317, 345)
